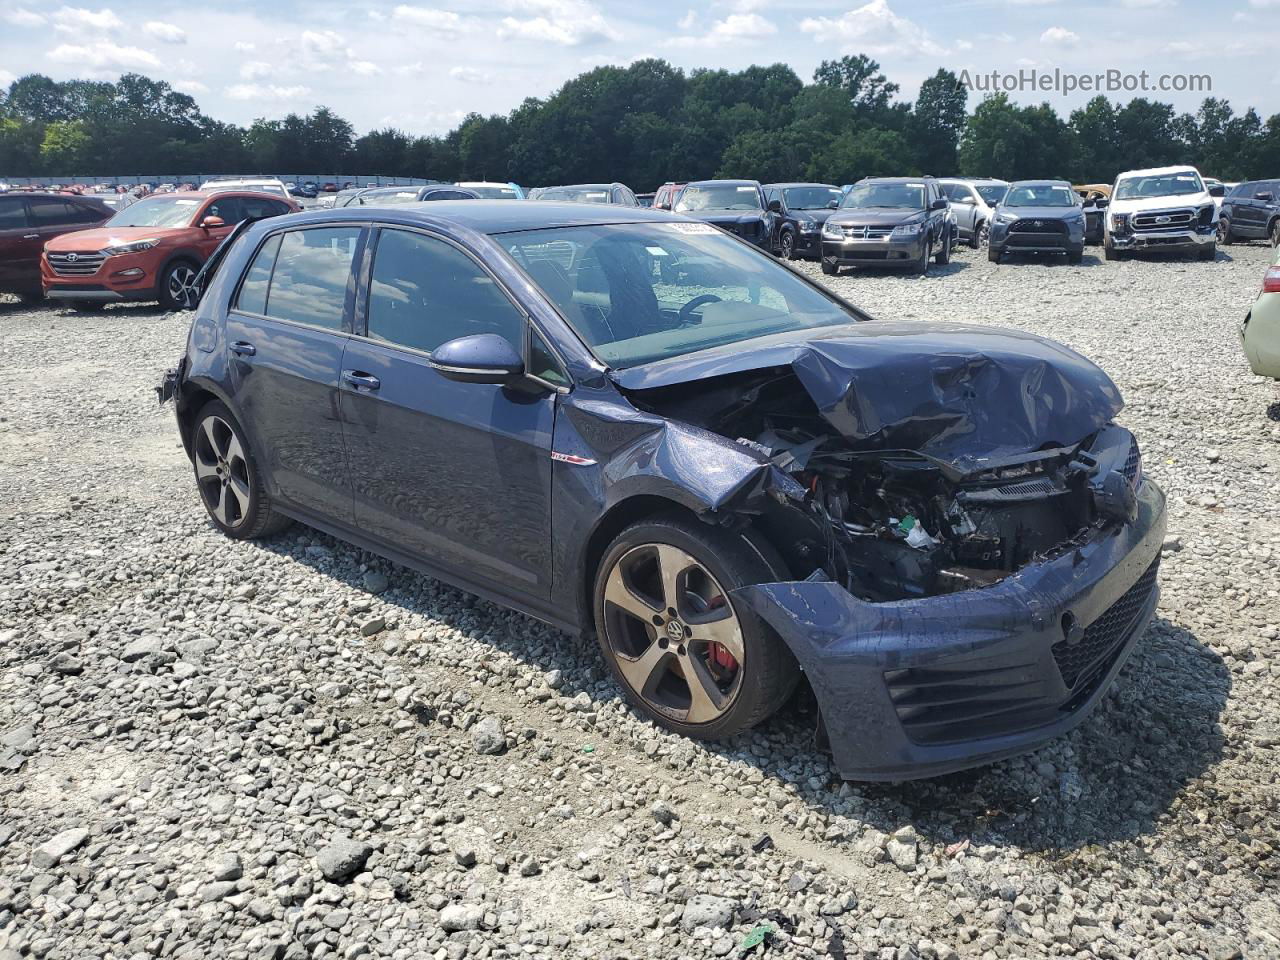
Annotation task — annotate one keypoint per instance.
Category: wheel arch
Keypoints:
(195, 394)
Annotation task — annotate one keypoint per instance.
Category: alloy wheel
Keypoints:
(222, 472)
(673, 633)
(984, 235)
(181, 286)
(788, 246)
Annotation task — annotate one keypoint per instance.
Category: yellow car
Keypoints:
(1260, 332)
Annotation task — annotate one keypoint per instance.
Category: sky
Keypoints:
(422, 67)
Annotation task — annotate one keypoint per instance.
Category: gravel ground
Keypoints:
(292, 748)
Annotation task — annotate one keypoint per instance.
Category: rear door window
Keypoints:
(311, 276)
(52, 212)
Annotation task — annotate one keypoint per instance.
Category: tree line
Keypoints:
(644, 124)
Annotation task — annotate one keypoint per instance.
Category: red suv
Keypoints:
(27, 222)
(151, 250)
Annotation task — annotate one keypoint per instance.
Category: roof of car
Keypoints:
(59, 194)
(799, 183)
(1158, 171)
(1040, 183)
(893, 179)
(497, 216)
(740, 183)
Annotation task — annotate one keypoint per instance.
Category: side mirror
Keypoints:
(479, 358)
(1218, 191)
(775, 206)
(209, 223)
(833, 204)
(1102, 202)
(939, 204)
(1263, 195)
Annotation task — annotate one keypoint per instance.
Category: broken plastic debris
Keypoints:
(756, 936)
(917, 535)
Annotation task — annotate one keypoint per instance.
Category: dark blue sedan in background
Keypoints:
(637, 426)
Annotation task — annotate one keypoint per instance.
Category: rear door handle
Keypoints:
(360, 380)
(243, 348)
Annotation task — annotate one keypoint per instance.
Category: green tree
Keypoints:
(937, 120)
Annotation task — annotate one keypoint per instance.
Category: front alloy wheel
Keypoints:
(673, 633)
(787, 245)
(178, 287)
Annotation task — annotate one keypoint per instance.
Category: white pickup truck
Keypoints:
(1164, 208)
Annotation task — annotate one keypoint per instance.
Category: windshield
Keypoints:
(718, 196)
(1041, 195)
(164, 211)
(576, 194)
(991, 193)
(1163, 185)
(889, 196)
(639, 292)
(493, 193)
(810, 198)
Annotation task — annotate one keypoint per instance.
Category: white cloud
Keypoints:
(364, 68)
(191, 86)
(77, 19)
(168, 32)
(1264, 4)
(6, 78)
(21, 17)
(409, 69)
(470, 75)
(441, 21)
(735, 28)
(688, 20)
(324, 43)
(256, 70)
(566, 22)
(1059, 37)
(243, 46)
(1142, 4)
(102, 54)
(1031, 3)
(876, 30)
(267, 91)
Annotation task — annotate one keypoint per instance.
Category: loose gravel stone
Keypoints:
(488, 737)
(51, 852)
(258, 719)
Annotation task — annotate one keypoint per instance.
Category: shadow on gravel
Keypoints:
(1111, 779)
(936, 271)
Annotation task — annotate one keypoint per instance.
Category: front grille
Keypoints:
(1157, 220)
(866, 233)
(1078, 663)
(75, 264)
(1132, 462)
(1054, 227)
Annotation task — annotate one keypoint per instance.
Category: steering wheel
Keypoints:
(686, 312)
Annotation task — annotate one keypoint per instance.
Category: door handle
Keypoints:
(243, 348)
(31, 236)
(359, 380)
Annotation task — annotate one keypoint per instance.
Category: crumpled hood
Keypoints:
(964, 395)
(101, 237)
(1141, 204)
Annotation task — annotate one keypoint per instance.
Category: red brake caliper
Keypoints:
(718, 653)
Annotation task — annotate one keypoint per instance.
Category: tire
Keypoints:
(1274, 233)
(1209, 253)
(1109, 252)
(1075, 258)
(984, 235)
(993, 253)
(830, 267)
(1225, 236)
(921, 266)
(975, 238)
(944, 254)
(176, 290)
(787, 245)
(227, 478)
(668, 666)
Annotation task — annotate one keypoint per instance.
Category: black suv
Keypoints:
(735, 206)
(802, 209)
(1251, 211)
(888, 221)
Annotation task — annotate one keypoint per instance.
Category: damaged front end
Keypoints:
(974, 548)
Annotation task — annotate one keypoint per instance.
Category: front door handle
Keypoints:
(360, 380)
(31, 236)
(243, 348)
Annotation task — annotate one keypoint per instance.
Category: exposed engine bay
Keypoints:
(891, 523)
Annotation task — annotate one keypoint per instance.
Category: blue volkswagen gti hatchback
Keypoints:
(641, 428)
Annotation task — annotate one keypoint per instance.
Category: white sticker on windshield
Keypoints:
(186, 203)
(692, 228)
(746, 189)
(657, 251)
(915, 184)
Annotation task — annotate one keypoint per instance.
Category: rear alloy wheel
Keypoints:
(686, 656)
(178, 286)
(229, 485)
(787, 245)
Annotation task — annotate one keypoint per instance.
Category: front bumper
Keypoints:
(900, 252)
(1004, 239)
(918, 688)
(809, 244)
(1166, 239)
